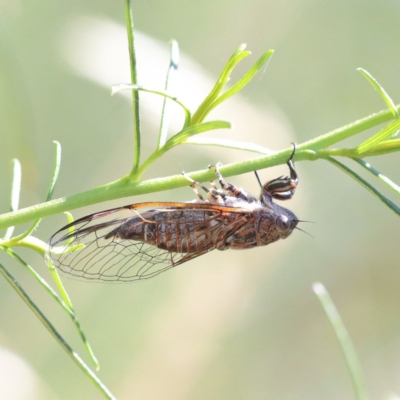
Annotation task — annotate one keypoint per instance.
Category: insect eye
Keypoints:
(283, 223)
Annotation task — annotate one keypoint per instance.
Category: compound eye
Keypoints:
(283, 223)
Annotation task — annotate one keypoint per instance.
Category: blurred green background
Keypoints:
(227, 325)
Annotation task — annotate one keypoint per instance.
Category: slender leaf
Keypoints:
(75, 356)
(380, 176)
(123, 86)
(386, 133)
(223, 79)
(182, 136)
(343, 337)
(127, 186)
(56, 170)
(66, 307)
(15, 193)
(382, 92)
(388, 146)
(134, 81)
(349, 130)
(70, 219)
(364, 183)
(169, 83)
(54, 177)
(246, 78)
(227, 143)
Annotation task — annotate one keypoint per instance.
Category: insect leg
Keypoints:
(283, 188)
(229, 187)
(212, 195)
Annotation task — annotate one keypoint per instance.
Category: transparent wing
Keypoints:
(89, 249)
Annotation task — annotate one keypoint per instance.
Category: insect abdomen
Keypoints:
(176, 231)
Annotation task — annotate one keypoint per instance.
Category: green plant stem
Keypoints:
(169, 83)
(310, 150)
(38, 246)
(122, 86)
(134, 81)
(347, 131)
(15, 192)
(367, 185)
(381, 91)
(345, 342)
(75, 357)
(380, 176)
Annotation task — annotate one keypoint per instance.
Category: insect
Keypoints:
(142, 240)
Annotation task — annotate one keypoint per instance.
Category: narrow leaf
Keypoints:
(15, 193)
(364, 183)
(134, 80)
(124, 86)
(56, 170)
(182, 136)
(386, 133)
(169, 83)
(245, 79)
(231, 144)
(382, 92)
(49, 326)
(385, 147)
(54, 177)
(67, 308)
(381, 177)
(223, 79)
(345, 342)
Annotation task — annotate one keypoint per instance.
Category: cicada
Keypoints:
(142, 240)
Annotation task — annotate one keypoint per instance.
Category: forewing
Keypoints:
(84, 249)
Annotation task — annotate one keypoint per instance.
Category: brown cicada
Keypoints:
(141, 240)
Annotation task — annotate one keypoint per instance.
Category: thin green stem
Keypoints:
(382, 92)
(205, 107)
(259, 64)
(386, 133)
(56, 170)
(180, 138)
(125, 188)
(347, 131)
(388, 146)
(310, 150)
(367, 185)
(122, 86)
(229, 144)
(380, 176)
(15, 192)
(169, 83)
(75, 356)
(345, 342)
(36, 244)
(134, 81)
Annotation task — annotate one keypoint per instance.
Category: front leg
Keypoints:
(283, 188)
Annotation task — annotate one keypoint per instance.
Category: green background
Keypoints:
(229, 325)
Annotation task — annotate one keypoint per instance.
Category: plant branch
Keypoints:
(310, 150)
(349, 130)
(349, 352)
(49, 326)
(134, 81)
